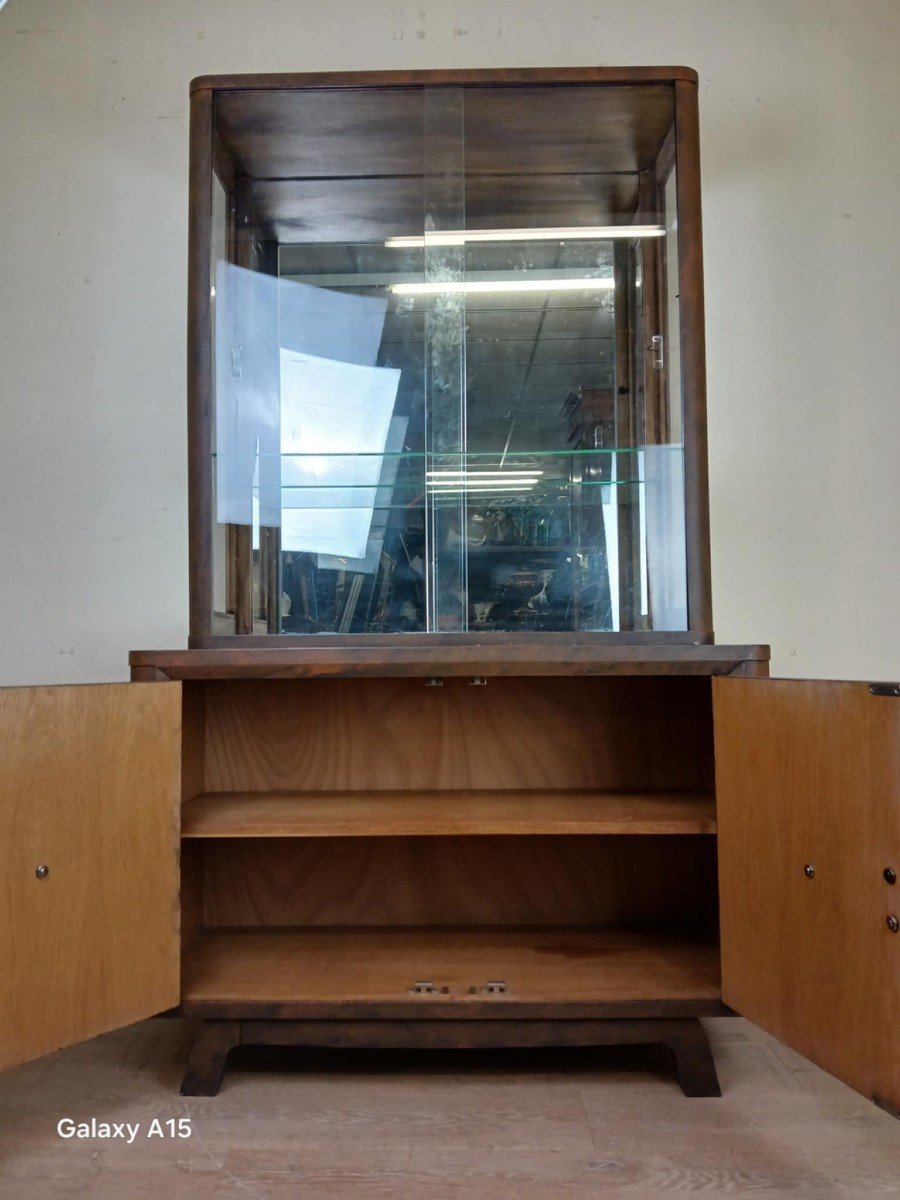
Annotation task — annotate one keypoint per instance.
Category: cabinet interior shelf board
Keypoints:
(379, 964)
(447, 813)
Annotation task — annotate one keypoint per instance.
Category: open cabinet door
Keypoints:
(808, 799)
(90, 782)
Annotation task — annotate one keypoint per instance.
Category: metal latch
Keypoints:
(657, 352)
(493, 987)
(426, 987)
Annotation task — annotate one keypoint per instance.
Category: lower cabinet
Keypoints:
(510, 860)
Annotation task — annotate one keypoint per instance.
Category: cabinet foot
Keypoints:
(694, 1062)
(206, 1064)
(685, 1038)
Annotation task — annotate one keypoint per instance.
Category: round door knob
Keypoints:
(890, 875)
(893, 923)
(42, 871)
(809, 871)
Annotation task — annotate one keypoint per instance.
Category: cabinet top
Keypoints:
(442, 655)
(496, 76)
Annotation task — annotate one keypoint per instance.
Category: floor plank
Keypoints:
(529, 1125)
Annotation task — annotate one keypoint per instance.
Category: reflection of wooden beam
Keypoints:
(627, 503)
(656, 416)
(270, 577)
(243, 578)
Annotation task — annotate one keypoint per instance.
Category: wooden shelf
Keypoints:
(410, 813)
(290, 969)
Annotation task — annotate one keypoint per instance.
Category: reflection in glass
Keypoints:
(446, 390)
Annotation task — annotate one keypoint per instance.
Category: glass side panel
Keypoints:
(446, 363)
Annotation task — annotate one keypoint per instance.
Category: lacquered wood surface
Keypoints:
(429, 655)
(628, 734)
(636, 881)
(443, 78)
(397, 814)
(685, 1039)
(546, 155)
(544, 965)
(808, 776)
(90, 790)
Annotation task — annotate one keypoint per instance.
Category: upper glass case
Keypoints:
(438, 363)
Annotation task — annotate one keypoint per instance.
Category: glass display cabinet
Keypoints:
(447, 428)
(447, 358)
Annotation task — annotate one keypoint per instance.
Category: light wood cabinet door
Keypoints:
(89, 825)
(808, 805)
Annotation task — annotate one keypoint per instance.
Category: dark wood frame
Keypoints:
(445, 654)
(684, 1037)
(686, 154)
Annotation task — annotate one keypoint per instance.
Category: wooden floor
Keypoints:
(517, 1126)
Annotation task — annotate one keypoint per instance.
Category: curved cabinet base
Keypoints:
(685, 1037)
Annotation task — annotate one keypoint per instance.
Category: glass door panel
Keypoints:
(446, 362)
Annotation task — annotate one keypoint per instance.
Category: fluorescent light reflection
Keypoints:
(474, 475)
(462, 237)
(452, 487)
(605, 284)
(478, 491)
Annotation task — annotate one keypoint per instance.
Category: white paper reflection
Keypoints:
(666, 562)
(247, 392)
(371, 560)
(257, 318)
(335, 418)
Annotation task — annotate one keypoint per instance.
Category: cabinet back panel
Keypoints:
(629, 881)
(518, 732)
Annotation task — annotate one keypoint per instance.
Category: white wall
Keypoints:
(800, 107)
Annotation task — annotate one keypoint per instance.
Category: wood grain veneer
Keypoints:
(89, 787)
(513, 734)
(348, 965)
(808, 774)
(386, 814)
(641, 882)
(443, 78)
(446, 655)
